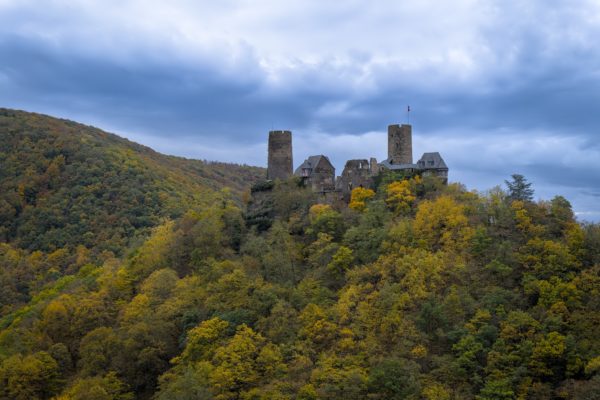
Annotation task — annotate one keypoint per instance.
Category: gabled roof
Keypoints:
(432, 161)
(311, 163)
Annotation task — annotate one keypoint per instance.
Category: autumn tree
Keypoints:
(33, 377)
(400, 196)
(442, 223)
(359, 198)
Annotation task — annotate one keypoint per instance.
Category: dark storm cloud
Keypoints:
(164, 96)
(497, 87)
(157, 95)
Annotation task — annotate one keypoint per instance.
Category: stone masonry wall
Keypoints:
(322, 179)
(400, 144)
(280, 155)
(356, 173)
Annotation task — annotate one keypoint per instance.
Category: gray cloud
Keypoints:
(497, 87)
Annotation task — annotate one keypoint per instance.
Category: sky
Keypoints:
(496, 86)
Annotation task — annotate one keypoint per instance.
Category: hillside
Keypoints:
(415, 290)
(63, 184)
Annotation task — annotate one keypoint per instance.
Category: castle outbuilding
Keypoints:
(318, 173)
(432, 164)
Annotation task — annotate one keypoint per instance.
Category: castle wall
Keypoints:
(442, 174)
(356, 173)
(400, 144)
(322, 179)
(333, 198)
(373, 166)
(280, 155)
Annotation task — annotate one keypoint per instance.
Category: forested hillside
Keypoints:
(72, 194)
(414, 291)
(67, 184)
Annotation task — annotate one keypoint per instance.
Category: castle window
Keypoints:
(430, 162)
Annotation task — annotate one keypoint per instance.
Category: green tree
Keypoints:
(519, 188)
(339, 378)
(99, 351)
(394, 379)
(107, 387)
(32, 377)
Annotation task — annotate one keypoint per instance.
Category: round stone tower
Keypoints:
(400, 144)
(280, 155)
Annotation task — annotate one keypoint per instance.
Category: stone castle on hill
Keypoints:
(318, 172)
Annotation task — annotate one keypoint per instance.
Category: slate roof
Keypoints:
(427, 161)
(432, 161)
(311, 163)
(389, 165)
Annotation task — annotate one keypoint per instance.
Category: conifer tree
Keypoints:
(519, 188)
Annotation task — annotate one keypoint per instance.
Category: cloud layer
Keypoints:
(497, 87)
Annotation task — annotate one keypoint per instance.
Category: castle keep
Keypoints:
(319, 174)
(280, 155)
(400, 144)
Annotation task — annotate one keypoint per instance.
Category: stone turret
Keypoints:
(280, 155)
(400, 144)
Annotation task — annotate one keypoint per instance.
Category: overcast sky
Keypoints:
(497, 87)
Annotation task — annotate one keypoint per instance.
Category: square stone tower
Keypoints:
(400, 144)
(280, 155)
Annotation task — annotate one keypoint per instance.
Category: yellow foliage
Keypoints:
(307, 392)
(418, 273)
(137, 310)
(518, 326)
(419, 351)
(242, 362)
(57, 317)
(547, 353)
(347, 343)
(442, 223)
(317, 210)
(359, 197)
(336, 378)
(348, 300)
(575, 238)
(523, 220)
(481, 318)
(436, 391)
(547, 257)
(521, 216)
(204, 339)
(593, 366)
(152, 255)
(315, 325)
(400, 196)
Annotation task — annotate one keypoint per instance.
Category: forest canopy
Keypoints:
(416, 290)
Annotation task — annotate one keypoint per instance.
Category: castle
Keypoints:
(319, 174)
